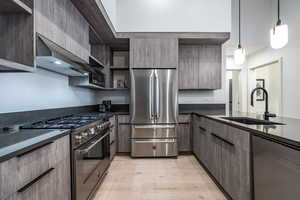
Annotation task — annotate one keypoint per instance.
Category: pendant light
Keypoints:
(279, 33)
(239, 53)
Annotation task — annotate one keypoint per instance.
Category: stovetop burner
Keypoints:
(67, 122)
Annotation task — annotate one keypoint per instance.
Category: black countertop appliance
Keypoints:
(107, 105)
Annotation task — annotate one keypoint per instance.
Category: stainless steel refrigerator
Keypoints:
(154, 104)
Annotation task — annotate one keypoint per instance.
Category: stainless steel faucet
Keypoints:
(267, 115)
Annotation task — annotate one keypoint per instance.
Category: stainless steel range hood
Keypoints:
(52, 57)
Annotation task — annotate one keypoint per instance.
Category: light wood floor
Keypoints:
(157, 179)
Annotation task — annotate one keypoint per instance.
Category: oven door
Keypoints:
(91, 163)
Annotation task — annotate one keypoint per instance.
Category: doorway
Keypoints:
(234, 92)
(268, 76)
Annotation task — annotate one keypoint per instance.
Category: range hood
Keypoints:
(52, 57)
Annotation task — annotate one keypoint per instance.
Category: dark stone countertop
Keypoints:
(13, 144)
(288, 134)
(117, 113)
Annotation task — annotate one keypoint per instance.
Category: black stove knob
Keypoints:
(78, 137)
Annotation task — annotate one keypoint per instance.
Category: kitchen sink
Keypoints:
(251, 121)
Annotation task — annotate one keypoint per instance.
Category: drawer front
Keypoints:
(154, 131)
(7, 178)
(154, 148)
(184, 118)
(43, 188)
(220, 130)
(123, 119)
(203, 122)
(52, 184)
(32, 164)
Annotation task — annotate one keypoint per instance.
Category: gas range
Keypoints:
(90, 148)
(67, 122)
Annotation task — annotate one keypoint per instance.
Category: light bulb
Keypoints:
(279, 36)
(239, 55)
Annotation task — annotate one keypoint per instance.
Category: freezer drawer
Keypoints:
(153, 131)
(154, 148)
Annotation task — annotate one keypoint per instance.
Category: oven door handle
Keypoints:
(86, 150)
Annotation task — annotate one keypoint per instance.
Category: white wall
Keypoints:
(272, 76)
(111, 10)
(256, 18)
(173, 16)
(290, 58)
(40, 90)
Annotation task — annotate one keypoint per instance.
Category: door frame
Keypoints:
(227, 87)
(252, 68)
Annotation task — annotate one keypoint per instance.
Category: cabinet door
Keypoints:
(7, 181)
(62, 23)
(200, 67)
(124, 134)
(113, 149)
(210, 67)
(188, 69)
(196, 137)
(236, 164)
(184, 137)
(203, 143)
(154, 53)
(215, 156)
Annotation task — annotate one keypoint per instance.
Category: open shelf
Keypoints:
(95, 63)
(14, 6)
(96, 87)
(117, 89)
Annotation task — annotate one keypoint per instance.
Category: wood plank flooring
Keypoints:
(157, 179)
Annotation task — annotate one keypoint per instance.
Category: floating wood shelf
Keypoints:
(117, 89)
(94, 62)
(95, 87)
(14, 6)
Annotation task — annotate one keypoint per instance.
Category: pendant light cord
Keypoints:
(278, 12)
(240, 23)
(278, 6)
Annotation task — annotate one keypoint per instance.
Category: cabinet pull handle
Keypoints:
(35, 180)
(220, 138)
(34, 149)
(202, 129)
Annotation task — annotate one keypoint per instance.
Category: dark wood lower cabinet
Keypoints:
(46, 175)
(124, 134)
(184, 137)
(225, 152)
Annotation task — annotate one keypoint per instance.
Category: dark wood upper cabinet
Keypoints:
(57, 20)
(62, 23)
(153, 52)
(17, 36)
(200, 67)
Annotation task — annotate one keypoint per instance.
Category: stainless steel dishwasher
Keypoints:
(276, 169)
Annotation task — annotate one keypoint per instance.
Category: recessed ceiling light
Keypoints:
(58, 62)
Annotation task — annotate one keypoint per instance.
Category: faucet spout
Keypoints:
(267, 114)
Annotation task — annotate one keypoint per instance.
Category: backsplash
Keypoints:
(40, 90)
(185, 97)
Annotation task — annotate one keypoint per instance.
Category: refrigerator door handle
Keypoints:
(151, 115)
(157, 96)
(154, 126)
